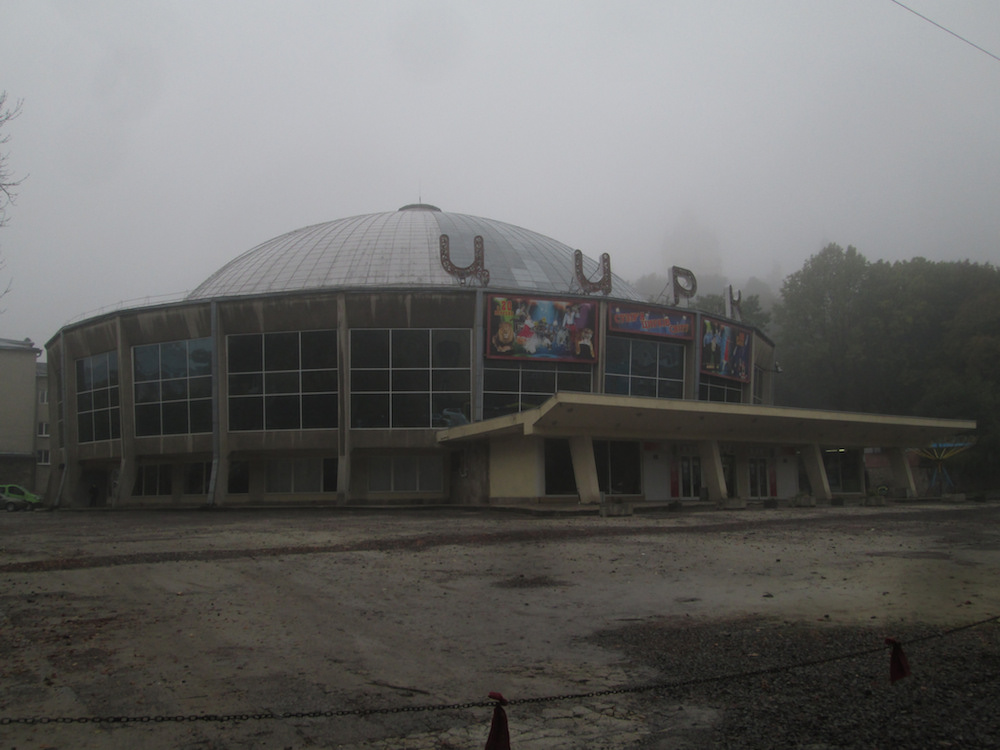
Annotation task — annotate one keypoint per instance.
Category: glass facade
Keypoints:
(173, 387)
(643, 367)
(405, 473)
(301, 475)
(152, 480)
(714, 388)
(97, 398)
(410, 377)
(513, 386)
(282, 381)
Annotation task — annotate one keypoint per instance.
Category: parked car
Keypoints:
(15, 497)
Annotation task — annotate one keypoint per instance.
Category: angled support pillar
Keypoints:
(715, 477)
(581, 449)
(812, 457)
(902, 475)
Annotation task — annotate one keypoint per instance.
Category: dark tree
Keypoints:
(915, 337)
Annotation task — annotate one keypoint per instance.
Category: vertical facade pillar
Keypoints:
(812, 457)
(581, 448)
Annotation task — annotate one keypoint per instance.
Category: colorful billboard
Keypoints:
(539, 328)
(725, 350)
(672, 324)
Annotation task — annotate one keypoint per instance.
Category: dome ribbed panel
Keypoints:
(401, 249)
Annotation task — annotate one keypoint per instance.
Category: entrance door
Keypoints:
(759, 478)
(690, 485)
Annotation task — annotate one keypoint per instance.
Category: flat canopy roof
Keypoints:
(627, 417)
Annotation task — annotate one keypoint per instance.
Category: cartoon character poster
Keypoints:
(725, 350)
(673, 324)
(533, 328)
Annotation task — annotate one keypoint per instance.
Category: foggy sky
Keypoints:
(162, 139)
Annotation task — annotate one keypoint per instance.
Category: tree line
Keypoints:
(913, 338)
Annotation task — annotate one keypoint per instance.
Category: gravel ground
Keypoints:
(951, 698)
(316, 612)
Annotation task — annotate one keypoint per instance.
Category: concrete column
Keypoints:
(902, 475)
(812, 457)
(711, 469)
(581, 449)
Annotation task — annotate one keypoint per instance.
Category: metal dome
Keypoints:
(402, 249)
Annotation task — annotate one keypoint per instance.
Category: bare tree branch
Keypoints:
(8, 185)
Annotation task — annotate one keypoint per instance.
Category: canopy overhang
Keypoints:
(626, 417)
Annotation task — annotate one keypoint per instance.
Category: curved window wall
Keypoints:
(282, 381)
(410, 377)
(97, 398)
(173, 387)
(642, 367)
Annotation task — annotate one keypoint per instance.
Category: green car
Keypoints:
(15, 497)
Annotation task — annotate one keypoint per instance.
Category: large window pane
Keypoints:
(308, 475)
(279, 476)
(246, 414)
(411, 380)
(431, 478)
(281, 413)
(147, 362)
(380, 473)
(175, 418)
(369, 380)
(281, 382)
(239, 478)
(411, 410)
(246, 353)
(147, 419)
(319, 381)
(451, 348)
(369, 349)
(319, 411)
(508, 381)
(173, 360)
(618, 354)
(644, 358)
(200, 357)
(281, 351)
(201, 416)
(100, 372)
(410, 348)
(404, 473)
(319, 350)
(370, 410)
(538, 382)
(246, 385)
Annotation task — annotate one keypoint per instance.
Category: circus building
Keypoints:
(425, 357)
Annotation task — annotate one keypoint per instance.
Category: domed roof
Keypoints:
(402, 249)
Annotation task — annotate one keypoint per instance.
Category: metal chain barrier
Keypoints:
(652, 687)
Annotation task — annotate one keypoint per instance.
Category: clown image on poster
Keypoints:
(533, 328)
(725, 350)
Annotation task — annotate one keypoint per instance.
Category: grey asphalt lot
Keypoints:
(167, 615)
